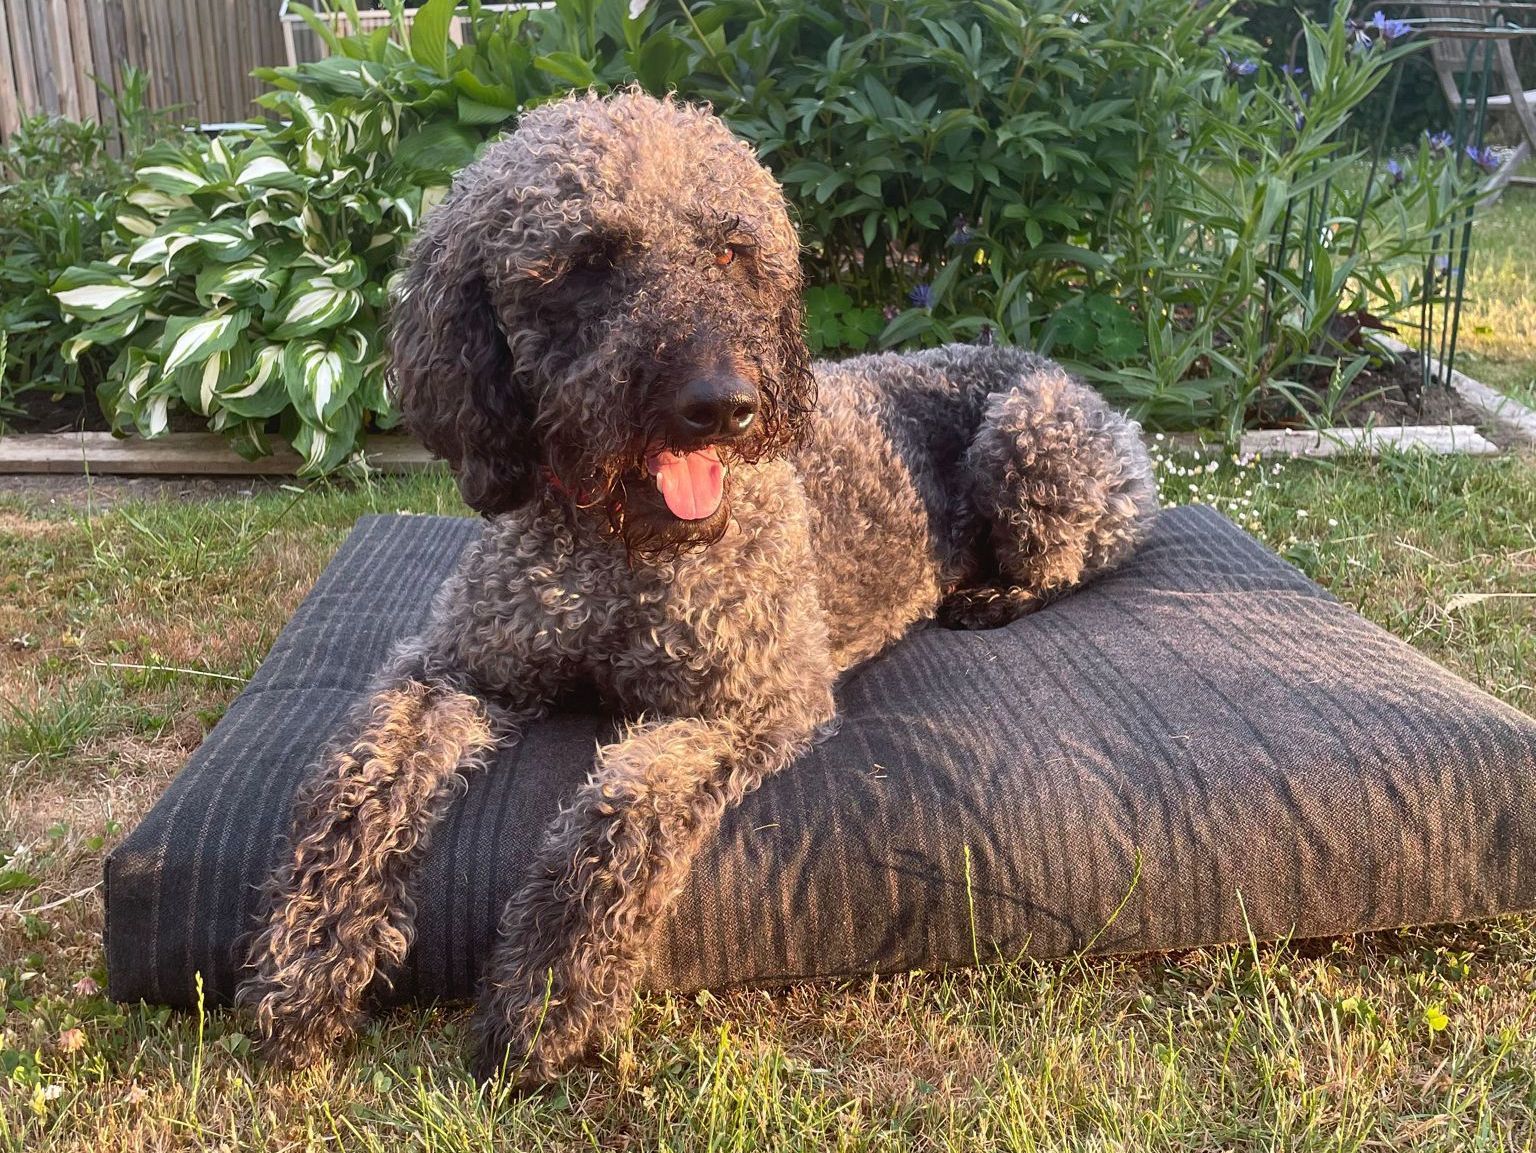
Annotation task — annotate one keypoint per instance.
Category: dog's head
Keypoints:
(608, 301)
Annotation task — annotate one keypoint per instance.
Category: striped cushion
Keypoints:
(1203, 737)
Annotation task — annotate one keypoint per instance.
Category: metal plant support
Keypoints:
(1470, 47)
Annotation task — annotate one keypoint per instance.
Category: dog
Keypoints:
(600, 330)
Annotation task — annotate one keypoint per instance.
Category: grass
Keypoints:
(126, 631)
(1497, 342)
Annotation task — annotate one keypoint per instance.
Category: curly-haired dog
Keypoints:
(600, 329)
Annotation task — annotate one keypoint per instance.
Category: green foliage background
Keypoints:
(1122, 183)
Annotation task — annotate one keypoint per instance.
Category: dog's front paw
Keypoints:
(294, 1031)
(525, 1046)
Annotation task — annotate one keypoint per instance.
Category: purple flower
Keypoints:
(1444, 267)
(921, 296)
(1439, 141)
(1236, 68)
(1389, 30)
(962, 233)
(1484, 158)
(1395, 171)
(1360, 37)
(1294, 71)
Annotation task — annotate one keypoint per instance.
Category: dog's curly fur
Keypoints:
(590, 263)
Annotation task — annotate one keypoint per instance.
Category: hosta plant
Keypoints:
(248, 275)
(252, 277)
(60, 187)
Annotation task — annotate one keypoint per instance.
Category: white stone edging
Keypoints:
(1323, 442)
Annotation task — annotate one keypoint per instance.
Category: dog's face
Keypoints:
(608, 302)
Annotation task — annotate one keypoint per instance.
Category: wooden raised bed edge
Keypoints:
(207, 453)
(179, 454)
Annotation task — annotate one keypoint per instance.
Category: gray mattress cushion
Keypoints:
(1200, 744)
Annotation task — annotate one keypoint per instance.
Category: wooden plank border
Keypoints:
(178, 454)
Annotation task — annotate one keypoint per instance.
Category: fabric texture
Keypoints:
(1201, 744)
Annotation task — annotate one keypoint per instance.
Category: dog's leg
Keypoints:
(572, 941)
(340, 906)
(1064, 484)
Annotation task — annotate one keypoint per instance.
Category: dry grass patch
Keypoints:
(1416, 1039)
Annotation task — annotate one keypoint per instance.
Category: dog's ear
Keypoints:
(795, 397)
(451, 369)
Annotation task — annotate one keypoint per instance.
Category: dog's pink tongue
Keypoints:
(692, 485)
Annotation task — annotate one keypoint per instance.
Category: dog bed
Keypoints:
(1200, 745)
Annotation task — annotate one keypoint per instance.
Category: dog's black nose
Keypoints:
(718, 406)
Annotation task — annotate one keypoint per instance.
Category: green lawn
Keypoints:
(125, 632)
(1498, 328)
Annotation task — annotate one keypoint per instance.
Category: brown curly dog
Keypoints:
(600, 330)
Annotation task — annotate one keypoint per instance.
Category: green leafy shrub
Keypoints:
(59, 188)
(1117, 181)
(251, 275)
(1122, 184)
(247, 275)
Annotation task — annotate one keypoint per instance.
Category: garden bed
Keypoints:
(1382, 408)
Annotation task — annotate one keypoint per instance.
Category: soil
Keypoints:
(79, 412)
(1383, 396)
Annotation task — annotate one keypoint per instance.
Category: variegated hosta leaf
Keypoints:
(320, 379)
(324, 449)
(171, 179)
(96, 292)
(216, 160)
(106, 332)
(353, 345)
(265, 169)
(374, 394)
(229, 241)
(200, 385)
(243, 282)
(246, 437)
(137, 373)
(161, 248)
(191, 340)
(135, 223)
(155, 202)
(151, 412)
(262, 392)
(347, 273)
(312, 305)
(150, 276)
(131, 371)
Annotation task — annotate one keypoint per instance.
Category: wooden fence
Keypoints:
(198, 53)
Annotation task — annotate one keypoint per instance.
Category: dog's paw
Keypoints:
(294, 1039)
(986, 607)
(294, 1031)
(506, 1054)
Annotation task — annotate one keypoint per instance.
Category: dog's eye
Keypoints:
(732, 253)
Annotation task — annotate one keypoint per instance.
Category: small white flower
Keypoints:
(637, 8)
(1302, 514)
(1332, 523)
